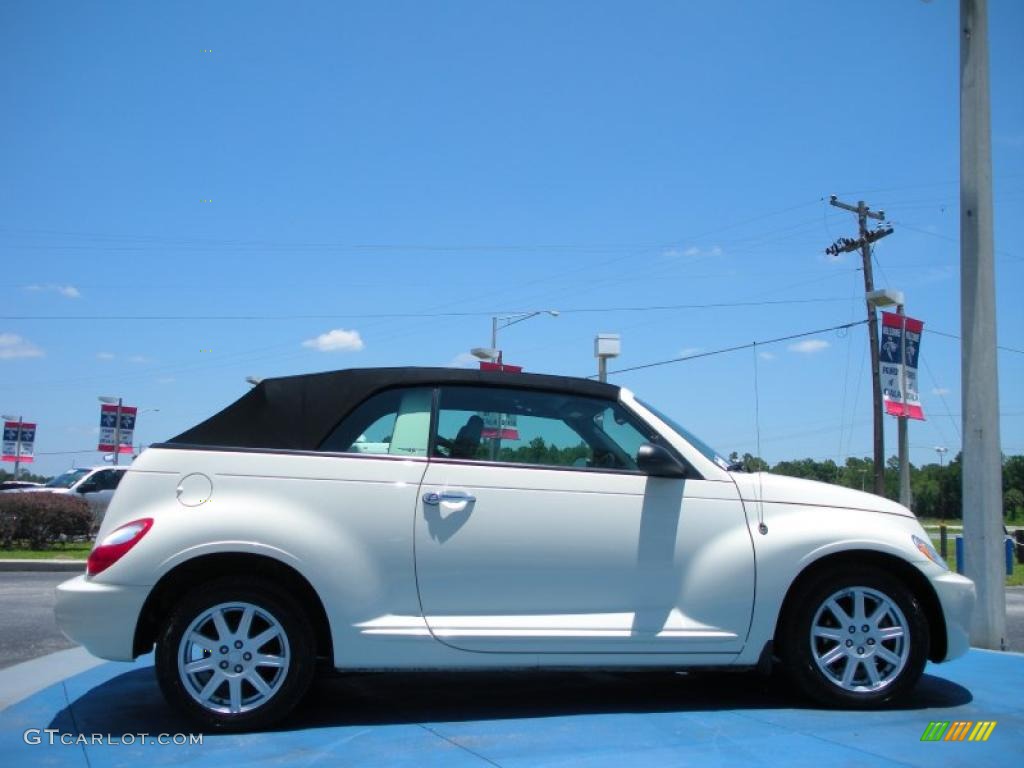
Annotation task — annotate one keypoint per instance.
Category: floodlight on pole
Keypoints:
(606, 347)
(941, 450)
(486, 354)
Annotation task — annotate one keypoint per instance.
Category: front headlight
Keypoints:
(924, 546)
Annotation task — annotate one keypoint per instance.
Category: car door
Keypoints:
(544, 536)
(97, 490)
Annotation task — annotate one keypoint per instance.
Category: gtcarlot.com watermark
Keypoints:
(53, 736)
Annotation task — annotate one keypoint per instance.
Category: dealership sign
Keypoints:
(19, 441)
(108, 427)
(897, 365)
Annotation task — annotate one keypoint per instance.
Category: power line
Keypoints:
(420, 315)
(736, 348)
(954, 336)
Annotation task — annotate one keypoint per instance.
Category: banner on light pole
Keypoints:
(19, 441)
(108, 428)
(900, 334)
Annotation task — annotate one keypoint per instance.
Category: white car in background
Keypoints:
(96, 485)
(436, 518)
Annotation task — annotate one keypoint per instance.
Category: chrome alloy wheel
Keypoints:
(860, 639)
(233, 657)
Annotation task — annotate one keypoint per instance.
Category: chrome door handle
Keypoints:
(436, 498)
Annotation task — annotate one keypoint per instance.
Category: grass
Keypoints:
(58, 552)
(1016, 579)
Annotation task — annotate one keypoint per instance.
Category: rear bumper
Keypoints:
(100, 617)
(956, 596)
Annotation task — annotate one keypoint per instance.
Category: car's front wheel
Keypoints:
(236, 654)
(856, 638)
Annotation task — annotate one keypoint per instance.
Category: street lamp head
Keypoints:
(484, 353)
(885, 297)
(108, 399)
(253, 380)
(553, 312)
(9, 418)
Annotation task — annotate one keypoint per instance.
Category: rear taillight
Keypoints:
(116, 544)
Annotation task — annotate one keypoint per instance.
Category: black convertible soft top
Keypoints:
(298, 412)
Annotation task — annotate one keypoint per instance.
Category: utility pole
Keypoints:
(863, 243)
(982, 459)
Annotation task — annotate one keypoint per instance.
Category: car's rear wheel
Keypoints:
(858, 637)
(236, 654)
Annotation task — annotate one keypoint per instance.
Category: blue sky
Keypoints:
(368, 159)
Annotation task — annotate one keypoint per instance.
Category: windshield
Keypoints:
(68, 479)
(696, 442)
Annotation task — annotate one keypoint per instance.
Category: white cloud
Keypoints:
(138, 359)
(13, 346)
(104, 355)
(67, 291)
(463, 360)
(692, 252)
(766, 355)
(338, 340)
(688, 351)
(809, 346)
(940, 391)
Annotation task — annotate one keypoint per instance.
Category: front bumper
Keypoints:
(956, 596)
(100, 617)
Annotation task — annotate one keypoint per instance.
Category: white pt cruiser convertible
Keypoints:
(451, 519)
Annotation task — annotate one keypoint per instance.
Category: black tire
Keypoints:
(292, 640)
(800, 652)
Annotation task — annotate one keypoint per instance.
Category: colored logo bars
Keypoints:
(898, 376)
(961, 730)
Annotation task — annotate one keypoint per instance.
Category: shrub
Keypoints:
(40, 519)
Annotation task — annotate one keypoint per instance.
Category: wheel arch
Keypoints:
(192, 573)
(911, 576)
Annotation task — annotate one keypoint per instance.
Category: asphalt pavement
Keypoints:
(28, 629)
(27, 626)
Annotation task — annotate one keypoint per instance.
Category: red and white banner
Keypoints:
(501, 426)
(19, 441)
(901, 338)
(108, 428)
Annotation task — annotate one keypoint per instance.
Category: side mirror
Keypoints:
(656, 461)
(89, 486)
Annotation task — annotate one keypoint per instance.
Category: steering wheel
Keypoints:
(443, 446)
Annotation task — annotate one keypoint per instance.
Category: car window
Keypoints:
(107, 479)
(395, 422)
(67, 479)
(538, 428)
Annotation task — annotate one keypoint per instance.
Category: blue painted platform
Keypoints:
(537, 719)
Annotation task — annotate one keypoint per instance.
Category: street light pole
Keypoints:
(941, 450)
(498, 322)
(117, 433)
(17, 444)
(17, 449)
